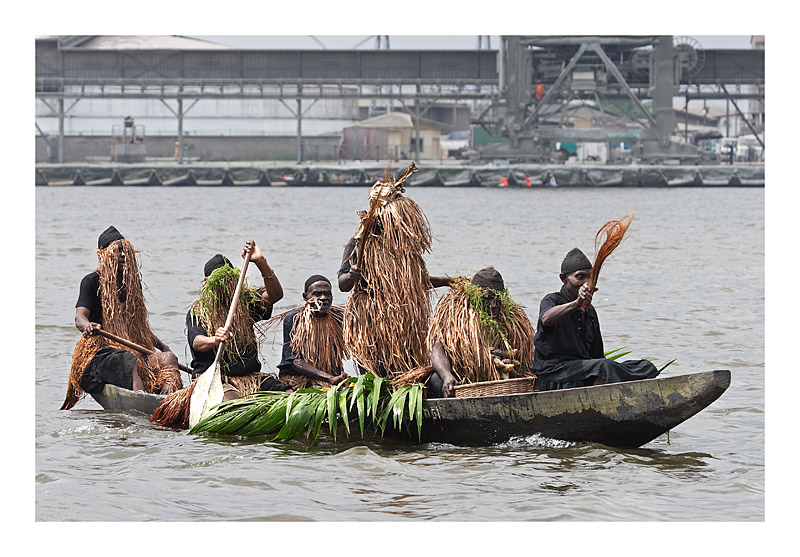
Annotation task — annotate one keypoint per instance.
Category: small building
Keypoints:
(392, 136)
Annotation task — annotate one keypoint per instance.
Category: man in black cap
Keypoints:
(111, 299)
(205, 323)
(313, 341)
(568, 343)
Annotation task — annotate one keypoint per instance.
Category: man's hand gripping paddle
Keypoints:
(208, 388)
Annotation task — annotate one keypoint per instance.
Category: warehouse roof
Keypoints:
(135, 42)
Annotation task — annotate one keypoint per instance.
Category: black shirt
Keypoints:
(248, 363)
(289, 355)
(577, 337)
(89, 298)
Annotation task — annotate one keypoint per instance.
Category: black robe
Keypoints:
(570, 353)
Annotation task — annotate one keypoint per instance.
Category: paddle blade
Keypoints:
(207, 394)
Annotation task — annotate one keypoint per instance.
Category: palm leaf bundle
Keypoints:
(385, 324)
(366, 400)
(612, 234)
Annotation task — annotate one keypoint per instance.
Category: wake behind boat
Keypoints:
(628, 414)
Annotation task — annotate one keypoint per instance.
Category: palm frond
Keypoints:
(367, 399)
(618, 355)
(667, 364)
(608, 353)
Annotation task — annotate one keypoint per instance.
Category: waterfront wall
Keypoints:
(432, 173)
(81, 148)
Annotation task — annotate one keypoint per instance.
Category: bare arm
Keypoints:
(349, 279)
(557, 314)
(204, 343)
(157, 342)
(273, 290)
(436, 282)
(302, 367)
(443, 368)
(82, 322)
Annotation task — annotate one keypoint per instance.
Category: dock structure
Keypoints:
(178, 73)
(271, 174)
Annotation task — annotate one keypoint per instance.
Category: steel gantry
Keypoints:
(605, 70)
(501, 80)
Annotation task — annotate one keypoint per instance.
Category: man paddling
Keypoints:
(241, 368)
(568, 343)
(313, 341)
(111, 299)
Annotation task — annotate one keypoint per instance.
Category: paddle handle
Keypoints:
(234, 304)
(135, 346)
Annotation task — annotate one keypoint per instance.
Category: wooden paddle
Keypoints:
(207, 391)
(136, 347)
(373, 206)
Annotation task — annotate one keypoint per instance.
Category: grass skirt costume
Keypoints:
(210, 310)
(318, 340)
(97, 360)
(479, 347)
(385, 324)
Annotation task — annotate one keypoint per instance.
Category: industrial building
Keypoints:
(136, 98)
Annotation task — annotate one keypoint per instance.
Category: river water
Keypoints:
(687, 283)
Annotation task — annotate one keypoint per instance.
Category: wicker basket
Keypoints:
(502, 387)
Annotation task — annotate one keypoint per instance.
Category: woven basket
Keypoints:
(502, 387)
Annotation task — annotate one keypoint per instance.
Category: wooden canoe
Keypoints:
(618, 414)
(117, 398)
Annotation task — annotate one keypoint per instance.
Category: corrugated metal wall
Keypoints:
(429, 66)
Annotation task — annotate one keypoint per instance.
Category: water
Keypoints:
(688, 283)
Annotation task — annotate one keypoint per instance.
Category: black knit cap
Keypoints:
(109, 235)
(489, 277)
(216, 262)
(314, 278)
(575, 260)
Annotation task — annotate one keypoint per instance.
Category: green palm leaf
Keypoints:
(302, 412)
(343, 409)
(358, 398)
(286, 416)
(331, 403)
(375, 396)
(665, 365)
(418, 391)
(319, 416)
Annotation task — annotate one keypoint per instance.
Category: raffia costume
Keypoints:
(386, 314)
(319, 340)
(479, 348)
(122, 312)
(240, 366)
